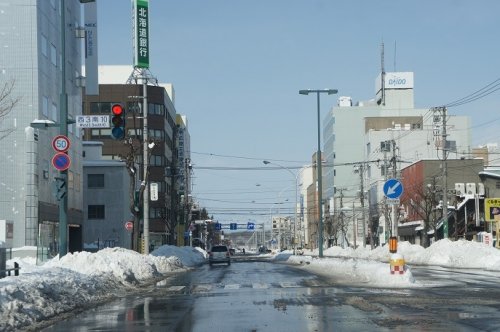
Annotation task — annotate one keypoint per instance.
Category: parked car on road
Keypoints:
(219, 254)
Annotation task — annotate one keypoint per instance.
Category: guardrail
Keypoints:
(4, 271)
(8, 271)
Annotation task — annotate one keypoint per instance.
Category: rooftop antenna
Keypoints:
(382, 100)
(395, 51)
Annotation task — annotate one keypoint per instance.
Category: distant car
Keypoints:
(232, 251)
(263, 250)
(219, 254)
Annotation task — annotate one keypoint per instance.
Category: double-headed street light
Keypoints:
(318, 162)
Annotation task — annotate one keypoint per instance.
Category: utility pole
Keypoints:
(445, 175)
(385, 147)
(361, 169)
(394, 176)
(444, 206)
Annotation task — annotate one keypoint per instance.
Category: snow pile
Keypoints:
(458, 254)
(83, 278)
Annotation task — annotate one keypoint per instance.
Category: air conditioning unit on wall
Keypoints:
(470, 188)
(460, 189)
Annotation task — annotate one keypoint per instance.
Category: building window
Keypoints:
(45, 106)
(498, 185)
(156, 212)
(53, 112)
(100, 108)
(100, 133)
(96, 212)
(95, 181)
(44, 45)
(156, 160)
(53, 54)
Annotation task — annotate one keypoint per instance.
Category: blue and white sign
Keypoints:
(393, 188)
(250, 226)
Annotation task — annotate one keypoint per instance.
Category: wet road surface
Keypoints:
(256, 295)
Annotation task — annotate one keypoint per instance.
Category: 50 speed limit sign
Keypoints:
(61, 143)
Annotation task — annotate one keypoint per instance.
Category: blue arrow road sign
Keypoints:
(393, 188)
(250, 226)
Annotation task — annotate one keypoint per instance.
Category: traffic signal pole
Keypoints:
(145, 146)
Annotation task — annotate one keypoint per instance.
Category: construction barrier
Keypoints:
(397, 263)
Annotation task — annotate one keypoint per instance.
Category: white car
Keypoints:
(219, 254)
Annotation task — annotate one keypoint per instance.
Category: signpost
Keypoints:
(61, 161)
(393, 189)
(129, 225)
(61, 143)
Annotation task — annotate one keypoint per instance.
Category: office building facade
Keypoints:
(32, 60)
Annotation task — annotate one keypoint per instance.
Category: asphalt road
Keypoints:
(253, 294)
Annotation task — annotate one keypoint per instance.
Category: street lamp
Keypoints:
(318, 162)
(267, 162)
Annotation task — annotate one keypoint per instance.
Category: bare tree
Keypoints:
(422, 205)
(7, 103)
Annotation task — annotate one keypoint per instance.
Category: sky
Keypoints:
(237, 67)
(80, 279)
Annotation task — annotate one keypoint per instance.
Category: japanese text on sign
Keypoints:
(92, 121)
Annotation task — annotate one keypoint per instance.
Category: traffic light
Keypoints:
(59, 188)
(117, 121)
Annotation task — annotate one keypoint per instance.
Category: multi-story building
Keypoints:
(32, 60)
(161, 124)
(356, 135)
(106, 185)
(182, 175)
(421, 207)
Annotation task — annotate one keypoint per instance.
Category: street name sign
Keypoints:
(92, 121)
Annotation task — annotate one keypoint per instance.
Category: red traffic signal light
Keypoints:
(117, 109)
(117, 121)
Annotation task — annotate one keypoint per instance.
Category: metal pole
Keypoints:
(318, 161)
(320, 187)
(445, 185)
(146, 161)
(63, 130)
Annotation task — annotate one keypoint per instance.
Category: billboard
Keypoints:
(91, 61)
(492, 209)
(394, 80)
(140, 22)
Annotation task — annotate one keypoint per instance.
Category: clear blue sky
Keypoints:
(237, 67)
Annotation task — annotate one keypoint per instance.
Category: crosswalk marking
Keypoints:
(202, 288)
(260, 285)
(288, 284)
(232, 286)
(209, 287)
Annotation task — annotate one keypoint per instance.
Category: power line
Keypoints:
(481, 93)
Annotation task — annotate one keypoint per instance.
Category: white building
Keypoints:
(305, 180)
(355, 137)
(32, 59)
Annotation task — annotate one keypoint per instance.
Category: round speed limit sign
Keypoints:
(60, 143)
